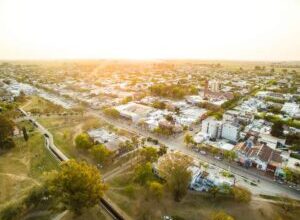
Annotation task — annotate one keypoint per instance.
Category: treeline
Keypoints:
(76, 186)
(6, 133)
(277, 120)
(173, 91)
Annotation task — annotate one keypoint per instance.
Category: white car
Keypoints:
(203, 152)
(218, 157)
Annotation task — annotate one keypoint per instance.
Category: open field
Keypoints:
(132, 198)
(94, 213)
(65, 129)
(38, 105)
(22, 167)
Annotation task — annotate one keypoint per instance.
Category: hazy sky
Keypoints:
(146, 29)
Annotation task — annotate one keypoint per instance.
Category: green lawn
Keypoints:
(64, 130)
(94, 213)
(22, 167)
(36, 104)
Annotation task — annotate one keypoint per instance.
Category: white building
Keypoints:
(211, 127)
(231, 131)
(291, 108)
(134, 111)
(214, 85)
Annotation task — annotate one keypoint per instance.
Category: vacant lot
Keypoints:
(38, 105)
(133, 200)
(22, 167)
(65, 129)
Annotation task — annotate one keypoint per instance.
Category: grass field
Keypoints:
(94, 213)
(65, 129)
(36, 104)
(132, 199)
(22, 167)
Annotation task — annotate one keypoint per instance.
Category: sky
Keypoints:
(150, 29)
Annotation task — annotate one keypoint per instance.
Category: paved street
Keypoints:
(265, 185)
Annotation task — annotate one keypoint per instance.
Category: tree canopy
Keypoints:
(188, 139)
(111, 112)
(173, 167)
(277, 129)
(221, 215)
(241, 194)
(83, 141)
(143, 173)
(6, 132)
(149, 154)
(101, 153)
(77, 185)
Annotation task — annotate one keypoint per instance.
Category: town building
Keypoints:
(230, 131)
(212, 127)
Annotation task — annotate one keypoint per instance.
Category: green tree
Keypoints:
(214, 151)
(188, 139)
(101, 153)
(156, 190)
(6, 133)
(7, 143)
(162, 150)
(135, 141)
(83, 141)
(221, 215)
(25, 135)
(277, 129)
(6, 128)
(173, 167)
(214, 190)
(148, 154)
(241, 194)
(126, 100)
(287, 204)
(143, 173)
(126, 146)
(112, 112)
(159, 105)
(230, 155)
(77, 185)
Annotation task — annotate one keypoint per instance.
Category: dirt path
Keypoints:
(19, 177)
(78, 130)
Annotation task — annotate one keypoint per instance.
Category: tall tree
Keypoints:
(6, 128)
(143, 173)
(77, 185)
(155, 190)
(221, 215)
(173, 167)
(214, 190)
(25, 135)
(188, 139)
(277, 129)
(83, 141)
(241, 194)
(101, 153)
(149, 154)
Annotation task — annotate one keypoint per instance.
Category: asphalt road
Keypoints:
(265, 185)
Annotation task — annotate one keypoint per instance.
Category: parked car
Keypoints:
(203, 152)
(218, 157)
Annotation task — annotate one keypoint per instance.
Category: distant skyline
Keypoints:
(266, 30)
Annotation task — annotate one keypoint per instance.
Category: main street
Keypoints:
(264, 185)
